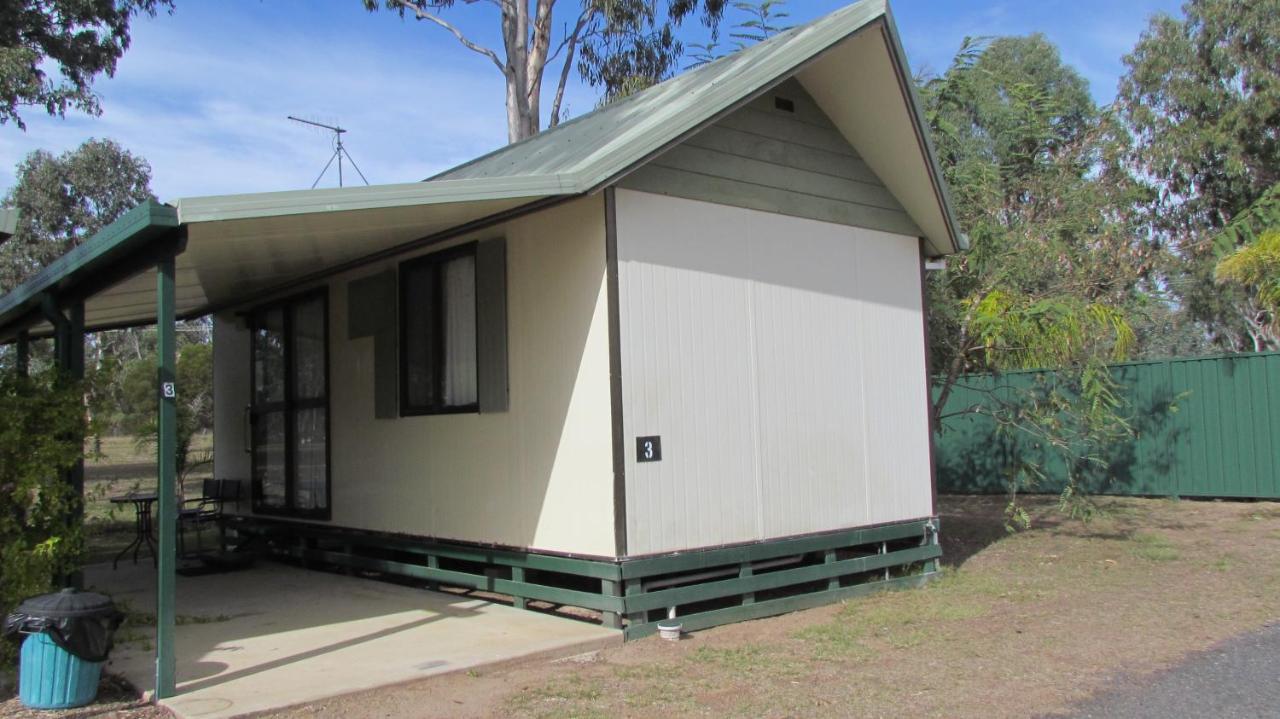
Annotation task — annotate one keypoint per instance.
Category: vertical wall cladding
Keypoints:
(781, 362)
(536, 475)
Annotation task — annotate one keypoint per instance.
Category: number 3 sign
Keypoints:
(168, 390)
(648, 449)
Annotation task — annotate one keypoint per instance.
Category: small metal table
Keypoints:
(141, 502)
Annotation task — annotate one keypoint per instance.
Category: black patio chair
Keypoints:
(202, 511)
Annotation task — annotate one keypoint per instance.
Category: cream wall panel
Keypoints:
(781, 360)
(897, 427)
(230, 397)
(537, 476)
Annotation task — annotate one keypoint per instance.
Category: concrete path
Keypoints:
(275, 636)
(1238, 679)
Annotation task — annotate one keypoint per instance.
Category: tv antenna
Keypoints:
(338, 151)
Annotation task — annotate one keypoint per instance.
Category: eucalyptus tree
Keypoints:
(62, 200)
(1202, 98)
(762, 20)
(614, 44)
(77, 40)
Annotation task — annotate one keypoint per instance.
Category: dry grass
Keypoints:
(1025, 625)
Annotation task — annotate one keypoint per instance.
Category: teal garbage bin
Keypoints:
(66, 637)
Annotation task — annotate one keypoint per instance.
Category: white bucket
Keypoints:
(670, 630)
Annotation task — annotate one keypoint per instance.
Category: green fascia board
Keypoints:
(298, 202)
(133, 231)
(8, 222)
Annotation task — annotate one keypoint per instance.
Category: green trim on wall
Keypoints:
(774, 580)
(774, 607)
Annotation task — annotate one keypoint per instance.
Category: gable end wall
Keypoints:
(791, 163)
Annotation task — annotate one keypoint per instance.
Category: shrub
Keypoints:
(41, 526)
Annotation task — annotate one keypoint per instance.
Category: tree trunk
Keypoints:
(521, 120)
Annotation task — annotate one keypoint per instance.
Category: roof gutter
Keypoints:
(300, 202)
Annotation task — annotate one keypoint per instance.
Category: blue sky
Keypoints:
(203, 93)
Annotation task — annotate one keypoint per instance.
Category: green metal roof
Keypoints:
(596, 149)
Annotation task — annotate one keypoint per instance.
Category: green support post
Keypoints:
(74, 356)
(167, 444)
(746, 572)
(24, 353)
(68, 350)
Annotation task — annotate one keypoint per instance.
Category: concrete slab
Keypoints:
(275, 636)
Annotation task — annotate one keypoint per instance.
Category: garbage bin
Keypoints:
(68, 635)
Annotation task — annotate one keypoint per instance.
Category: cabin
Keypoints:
(665, 360)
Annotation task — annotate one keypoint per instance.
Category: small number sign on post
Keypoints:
(648, 449)
(168, 390)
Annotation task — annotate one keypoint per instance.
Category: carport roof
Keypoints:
(237, 247)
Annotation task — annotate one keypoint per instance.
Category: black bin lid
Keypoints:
(67, 604)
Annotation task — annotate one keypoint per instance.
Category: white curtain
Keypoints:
(460, 331)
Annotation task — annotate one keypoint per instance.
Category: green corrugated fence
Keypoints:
(1203, 427)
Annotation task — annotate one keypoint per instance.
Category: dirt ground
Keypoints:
(115, 699)
(1018, 625)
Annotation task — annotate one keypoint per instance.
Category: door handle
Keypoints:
(248, 429)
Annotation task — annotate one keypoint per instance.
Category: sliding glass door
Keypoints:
(289, 413)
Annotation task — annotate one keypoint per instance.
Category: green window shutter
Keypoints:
(371, 312)
(491, 324)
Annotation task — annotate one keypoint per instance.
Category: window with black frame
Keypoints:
(438, 337)
(289, 412)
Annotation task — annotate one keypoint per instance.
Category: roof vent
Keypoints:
(784, 104)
